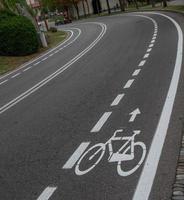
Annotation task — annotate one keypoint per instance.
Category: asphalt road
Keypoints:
(112, 73)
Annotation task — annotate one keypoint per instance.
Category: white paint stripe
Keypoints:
(101, 122)
(148, 50)
(147, 177)
(76, 155)
(142, 63)
(151, 45)
(26, 69)
(117, 99)
(56, 73)
(4, 81)
(136, 72)
(146, 55)
(129, 83)
(61, 49)
(44, 58)
(37, 63)
(15, 75)
(51, 55)
(152, 41)
(155, 34)
(47, 193)
(153, 38)
(34, 60)
(57, 51)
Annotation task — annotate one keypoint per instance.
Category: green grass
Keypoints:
(8, 63)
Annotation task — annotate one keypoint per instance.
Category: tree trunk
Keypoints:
(108, 7)
(136, 4)
(164, 3)
(84, 10)
(122, 5)
(87, 6)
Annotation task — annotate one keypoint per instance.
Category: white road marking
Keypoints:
(142, 63)
(146, 55)
(148, 50)
(152, 41)
(101, 122)
(134, 114)
(3, 81)
(147, 177)
(61, 49)
(151, 45)
(51, 55)
(47, 193)
(153, 38)
(26, 69)
(76, 155)
(16, 75)
(56, 73)
(36, 63)
(136, 72)
(57, 51)
(154, 34)
(44, 58)
(117, 99)
(129, 83)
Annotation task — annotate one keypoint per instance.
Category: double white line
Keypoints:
(56, 73)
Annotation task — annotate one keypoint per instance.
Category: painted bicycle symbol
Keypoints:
(125, 153)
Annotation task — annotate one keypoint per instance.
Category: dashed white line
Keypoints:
(76, 155)
(151, 45)
(61, 49)
(16, 75)
(129, 83)
(154, 37)
(146, 55)
(117, 99)
(148, 50)
(142, 63)
(44, 58)
(47, 193)
(26, 69)
(154, 34)
(51, 54)
(37, 63)
(56, 51)
(101, 122)
(136, 72)
(152, 41)
(3, 81)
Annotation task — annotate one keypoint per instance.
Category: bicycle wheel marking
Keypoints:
(76, 155)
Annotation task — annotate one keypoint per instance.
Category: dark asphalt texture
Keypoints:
(41, 132)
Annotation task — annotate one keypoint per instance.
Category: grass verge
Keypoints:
(8, 63)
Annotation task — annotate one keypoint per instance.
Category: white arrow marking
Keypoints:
(134, 114)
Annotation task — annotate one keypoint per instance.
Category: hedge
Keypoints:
(17, 35)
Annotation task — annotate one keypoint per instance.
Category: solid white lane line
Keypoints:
(76, 155)
(146, 55)
(101, 122)
(57, 51)
(51, 54)
(117, 99)
(151, 45)
(3, 81)
(147, 177)
(148, 50)
(56, 73)
(26, 69)
(142, 63)
(136, 72)
(152, 41)
(129, 83)
(16, 75)
(47, 193)
(36, 63)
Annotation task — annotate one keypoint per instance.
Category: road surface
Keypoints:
(59, 113)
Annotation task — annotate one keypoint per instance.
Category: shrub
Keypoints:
(53, 29)
(17, 35)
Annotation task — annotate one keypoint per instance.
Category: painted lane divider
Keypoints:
(15, 75)
(117, 99)
(47, 193)
(151, 45)
(152, 41)
(142, 63)
(36, 63)
(26, 69)
(129, 83)
(101, 122)
(136, 72)
(134, 114)
(56, 73)
(76, 155)
(149, 49)
(3, 81)
(146, 55)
